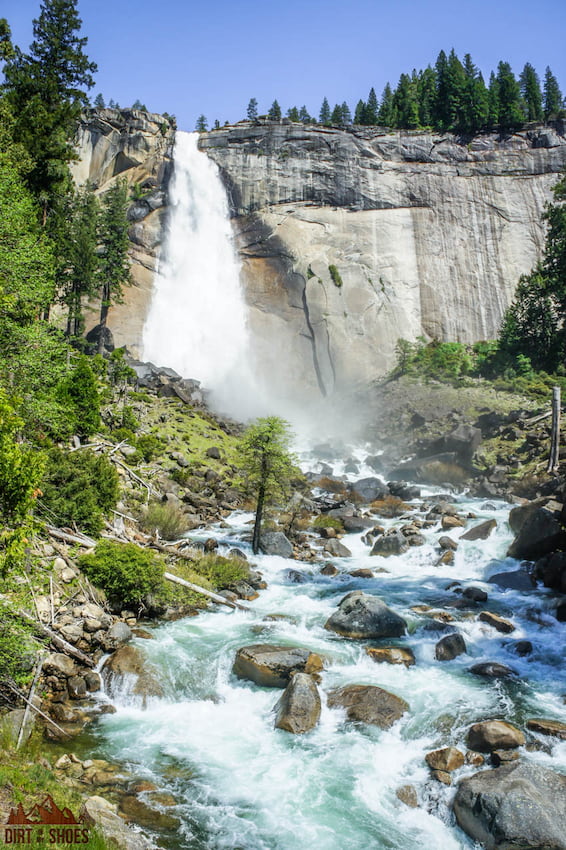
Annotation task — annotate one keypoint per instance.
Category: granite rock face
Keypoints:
(349, 239)
(428, 235)
(136, 146)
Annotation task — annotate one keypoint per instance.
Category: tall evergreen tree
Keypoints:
(202, 124)
(529, 84)
(372, 108)
(47, 91)
(293, 114)
(251, 111)
(386, 114)
(493, 101)
(553, 100)
(475, 99)
(304, 116)
(324, 116)
(99, 101)
(442, 116)
(78, 263)
(406, 103)
(360, 113)
(510, 113)
(274, 113)
(426, 90)
(114, 269)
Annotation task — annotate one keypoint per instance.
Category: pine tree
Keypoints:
(386, 115)
(336, 116)
(346, 114)
(529, 84)
(202, 124)
(553, 100)
(99, 101)
(46, 90)
(293, 114)
(78, 263)
(324, 116)
(406, 103)
(493, 101)
(372, 108)
(426, 91)
(441, 112)
(304, 116)
(360, 113)
(251, 111)
(475, 99)
(274, 113)
(114, 269)
(510, 113)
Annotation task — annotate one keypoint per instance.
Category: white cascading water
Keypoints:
(197, 319)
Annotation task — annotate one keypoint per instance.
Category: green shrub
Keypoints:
(17, 646)
(149, 445)
(325, 521)
(335, 275)
(125, 572)
(221, 572)
(79, 488)
(165, 518)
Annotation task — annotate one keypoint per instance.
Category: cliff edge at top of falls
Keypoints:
(346, 167)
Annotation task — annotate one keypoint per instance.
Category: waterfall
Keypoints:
(197, 320)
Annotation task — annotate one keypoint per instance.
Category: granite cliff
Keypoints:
(349, 239)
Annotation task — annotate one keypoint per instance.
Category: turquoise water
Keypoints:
(240, 783)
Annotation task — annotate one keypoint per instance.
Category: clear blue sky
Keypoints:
(189, 57)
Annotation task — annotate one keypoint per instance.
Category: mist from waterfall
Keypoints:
(197, 319)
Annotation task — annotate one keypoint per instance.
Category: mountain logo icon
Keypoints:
(46, 812)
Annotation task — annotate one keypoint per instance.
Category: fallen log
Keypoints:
(81, 540)
(215, 597)
(59, 642)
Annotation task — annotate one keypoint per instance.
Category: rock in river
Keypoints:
(368, 704)
(516, 806)
(298, 710)
(489, 735)
(271, 666)
(362, 616)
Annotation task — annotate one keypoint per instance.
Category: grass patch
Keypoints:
(325, 521)
(163, 517)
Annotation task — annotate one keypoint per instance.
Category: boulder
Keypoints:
(369, 489)
(481, 531)
(76, 686)
(446, 759)
(551, 570)
(127, 670)
(337, 549)
(489, 735)
(447, 543)
(475, 594)
(272, 666)
(514, 807)
(393, 542)
(298, 710)
(498, 623)
(540, 534)
(368, 704)
(392, 655)
(365, 617)
(357, 523)
(450, 647)
(57, 664)
(513, 580)
(408, 795)
(276, 543)
(404, 491)
(329, 570)
(547, 727)
(104, 815)
(492, 670)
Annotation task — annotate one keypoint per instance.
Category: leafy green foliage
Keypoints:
(17, 646)
(164, 518)
(126, 572)
(267, 464)
(79, 392)
(335, 275)
(443, 360)
(80, 487)
(221, 572)
(21, 468)
(324, 521)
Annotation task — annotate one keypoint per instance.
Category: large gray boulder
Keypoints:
(128, 673)
(272, 666)
(365, 617)
(539, 534)
(369, 489)
(298, 710)
(518, 806)
(393, 542)
(368, 704)
(276, 543)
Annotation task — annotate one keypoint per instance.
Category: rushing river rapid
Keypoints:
(241, 783)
